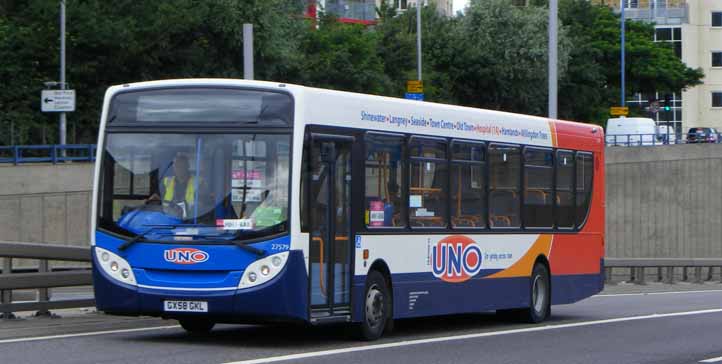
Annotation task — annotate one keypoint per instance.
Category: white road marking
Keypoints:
(464, 337)
(657, 293)
(81, 334)
(713, 360)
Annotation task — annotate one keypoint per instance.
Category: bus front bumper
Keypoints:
(284, 298)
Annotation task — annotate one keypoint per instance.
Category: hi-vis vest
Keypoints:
(169, 183)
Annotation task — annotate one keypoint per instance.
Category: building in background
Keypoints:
(695, 29)
(364, 11)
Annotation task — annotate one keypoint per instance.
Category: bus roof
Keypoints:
(389, 114)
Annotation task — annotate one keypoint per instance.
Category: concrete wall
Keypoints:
(664, 201)
(46, 203)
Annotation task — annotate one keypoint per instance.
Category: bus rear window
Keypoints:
(209, 105)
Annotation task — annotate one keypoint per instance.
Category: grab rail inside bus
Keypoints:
(320, 260)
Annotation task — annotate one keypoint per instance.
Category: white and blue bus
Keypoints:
(234, 201)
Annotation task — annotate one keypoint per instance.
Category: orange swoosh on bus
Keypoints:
(553, 130)
(523, 266)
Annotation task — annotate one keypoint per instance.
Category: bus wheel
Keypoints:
(377, 307)
(197, 326)
(540, 302)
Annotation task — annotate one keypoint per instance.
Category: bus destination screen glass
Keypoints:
(195, 186)
(206, 105)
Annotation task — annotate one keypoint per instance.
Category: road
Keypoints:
(614, 327)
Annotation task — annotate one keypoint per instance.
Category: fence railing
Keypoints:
(631, 140)
(666, 268)
(52, 153)
(43, 279)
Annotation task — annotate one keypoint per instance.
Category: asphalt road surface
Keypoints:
(620, 326)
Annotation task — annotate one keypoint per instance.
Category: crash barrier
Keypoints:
(666, 269)
(50, 153)
(643, 140)
(43, 279)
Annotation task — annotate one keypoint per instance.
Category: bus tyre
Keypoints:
(197, 326)
(376, 316)
(540, 301)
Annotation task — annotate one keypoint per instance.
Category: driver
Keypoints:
(179, 190)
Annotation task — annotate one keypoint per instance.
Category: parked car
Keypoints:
(632, 131)
(702, 135)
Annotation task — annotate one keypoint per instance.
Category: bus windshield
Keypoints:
(166, 186)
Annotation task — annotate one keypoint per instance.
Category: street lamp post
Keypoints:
(622, 48)
(63, 121)
(418, 39)
(553, 49)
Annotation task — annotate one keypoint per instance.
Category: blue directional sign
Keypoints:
(414, 96)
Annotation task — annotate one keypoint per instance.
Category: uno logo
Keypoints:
(456, 259)
(185, 256)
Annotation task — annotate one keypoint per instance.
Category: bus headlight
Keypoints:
(263, 270)
(114, 266)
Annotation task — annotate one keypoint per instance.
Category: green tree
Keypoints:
(500, 57)
(114, 42)
(592, 83)
(343, 57)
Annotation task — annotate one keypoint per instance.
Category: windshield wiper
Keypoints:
(141, 236)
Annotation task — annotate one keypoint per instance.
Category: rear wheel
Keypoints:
(377, 307)
(540, 301)
(197, 326)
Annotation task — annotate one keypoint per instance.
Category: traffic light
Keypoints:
(667, 104)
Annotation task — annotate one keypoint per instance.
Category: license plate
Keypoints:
(185, 306)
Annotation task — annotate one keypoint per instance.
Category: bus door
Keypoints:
(330, 225)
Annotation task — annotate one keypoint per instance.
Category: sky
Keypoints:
(459, 5)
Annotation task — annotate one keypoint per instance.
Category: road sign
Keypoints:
(619, 110)
(414, 96)
(415, 86)
(57, 100)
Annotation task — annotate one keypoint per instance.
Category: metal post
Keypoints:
(418, 39)
(640, 276)
(607, 275)
(248, 51)
(553, 48)
(43, 293)
(63, 121)
(622, 48)
(697, 274)
(670, 275)
(7, 295)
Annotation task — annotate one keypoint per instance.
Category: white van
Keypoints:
(632, 131)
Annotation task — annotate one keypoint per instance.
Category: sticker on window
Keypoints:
(415, 201)
(235, 224)
(376, 213)
(251, 195)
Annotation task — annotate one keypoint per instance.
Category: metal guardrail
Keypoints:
(52, 153)
(635, 140)
(43, 279)
(665, 268)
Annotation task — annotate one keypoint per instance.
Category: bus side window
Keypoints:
(468, 185)
(504, 189)
(538, 188)
(384, 173)
(564, 209)
(585, 172)
(428, 179)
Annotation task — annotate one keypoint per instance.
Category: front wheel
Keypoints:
(197, 326)
(377, 307)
